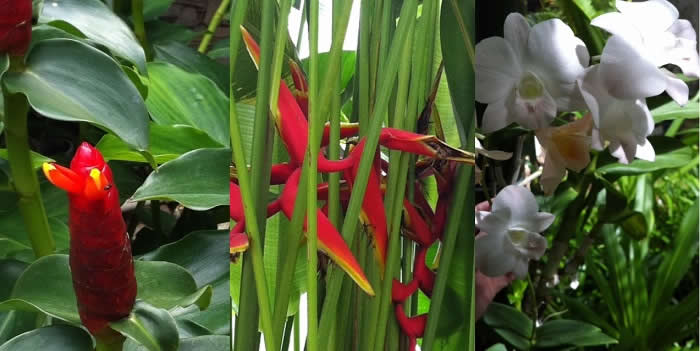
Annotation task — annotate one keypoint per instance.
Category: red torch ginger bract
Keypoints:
(100, 252)
(15, 26)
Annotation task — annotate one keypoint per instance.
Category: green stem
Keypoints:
(109, 343)
(140, 28)
(464, 181)
(213, 25)
(315, 125)
(24, 176)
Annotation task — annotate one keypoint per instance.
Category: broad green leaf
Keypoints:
(179, 97)
(159, 31)
(206, 342)
(670, 153)
(192, 61)
(347, 65)
(203, 255)
(167, 143)
(97, 22)
(52, 338)
(505, 317)
(671, 110)
(219, 50)
(562, 332)
(14, 323)
(584, 313)
(37, 158)
(46, 286)
(152, 9)
(70, 81)
(518, 341)
(9, 248)
(10, 270)
(197, 179)
(151, 326)
(497, 347)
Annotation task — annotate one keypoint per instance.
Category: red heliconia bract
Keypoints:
(101, 264)
(15, 26)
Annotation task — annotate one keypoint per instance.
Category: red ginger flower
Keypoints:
(15, 26)
(100, 252)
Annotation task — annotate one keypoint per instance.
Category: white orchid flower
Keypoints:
(566, 146)
(654, 26)
(525, 76)
(512, 233)
(622, 124)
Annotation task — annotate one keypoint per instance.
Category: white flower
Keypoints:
(654, 26)
(525, 76)
(623, 123)
(512, 228)
(566, 146)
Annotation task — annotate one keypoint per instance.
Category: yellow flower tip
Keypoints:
(62, 177)
(48, 168)
(97, 185)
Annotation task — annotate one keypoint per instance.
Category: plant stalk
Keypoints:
(140, 27)
(25, 182)
(213, 25)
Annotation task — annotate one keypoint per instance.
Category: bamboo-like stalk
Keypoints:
(213, 25)
(26, 185)
(315, 125)
(140, 27)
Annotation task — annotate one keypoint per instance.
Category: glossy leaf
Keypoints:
(162, 284)
(505, 317)
(105, 96)
(167, 143)
(154, 8)
(151, 326)
(179, 97)
(192, 61)
(671, 110)
(207, 342)
(37, 158)
(53, 338)
(562, 332)
(97, 22)
(197, 179)
(670, 153)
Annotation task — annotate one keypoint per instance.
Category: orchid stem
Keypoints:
(24, 177)
(213, 25)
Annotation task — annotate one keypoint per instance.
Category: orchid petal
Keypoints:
(516, 31)
(495, 117)
(559, 54)
(497, 69)
(626, 73)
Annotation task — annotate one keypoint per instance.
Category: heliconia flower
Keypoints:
(329, 240)
(420, 144)
(302, 88)
(400, 291)
(100, 252)
(236, 204)
(621, 124)
(423, 274)
(238, 240)
(15, 26)
(653, 26)
(512, 233)
(566, 146)
(416, 227)
(346, 130)
(413, 327)
(525, 76)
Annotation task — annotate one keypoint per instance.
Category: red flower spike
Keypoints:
(329, 240)
(423, 274)
(236, 204)
(372, 214)
(426, 145)
(346, 130)
(422, 204)
(100, 252)
(400, 292)
(418, 229)
(280, 173)
(302, 89)
(15, 26)
(291, 122)
(413, 327)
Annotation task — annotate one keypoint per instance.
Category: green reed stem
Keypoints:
(213, 25)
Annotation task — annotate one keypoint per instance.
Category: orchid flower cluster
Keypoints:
(535, 72)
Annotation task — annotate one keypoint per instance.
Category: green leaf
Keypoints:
(497, 347)
(671, 110)
(151, 326)
(347, 65)
(192, 61)
(207, 342)
(37, 158)
(52, 338)
(197, 179)
(167, 143)
(152, 9)
(104, 96)
(159, 31)
(561, 332)
(46, 286)
(514, 339)
(97, 22)
(501, 316)
(670, 153)
(10, 270)
(179, 97)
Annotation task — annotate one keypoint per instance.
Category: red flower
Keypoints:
(100, 252)
(15, 26)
